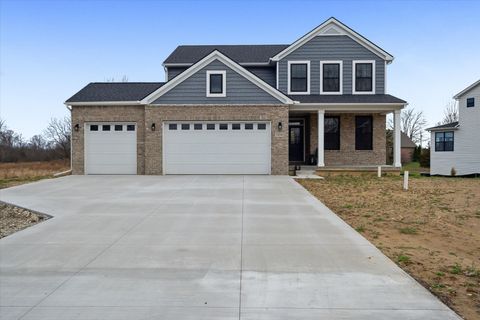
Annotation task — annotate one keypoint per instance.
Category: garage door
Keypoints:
(110, 148)
(216, 147)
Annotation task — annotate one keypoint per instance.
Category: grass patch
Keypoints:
(403, 258)
(408, 230)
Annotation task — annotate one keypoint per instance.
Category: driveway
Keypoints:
(196, 247)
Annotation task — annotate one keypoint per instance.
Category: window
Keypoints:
(223, 126)
(185, 126)
(331, 77)
(172, 126)
(216, 83)
(93, 127)
(197, 126)
(130, 127)
(118, 127)
(261, 126)
(363, 133)
(444, 141)
(235, 126)
(210, 126)
(364, 77)
(106, 127)
(332, 133)
(298, 77)
(470, 102)
(248, 126)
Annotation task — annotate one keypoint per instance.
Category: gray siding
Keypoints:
(267, 74)
(239, 90)
(332, 48)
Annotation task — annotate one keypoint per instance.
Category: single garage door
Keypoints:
(216, 147)
(110, 148)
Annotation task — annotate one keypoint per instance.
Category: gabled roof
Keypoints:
(451, 125)
(105, 92)
(242, 54)
(333, 27)
(470, 87)
(349, 98)
(217, 55)
(406, 142)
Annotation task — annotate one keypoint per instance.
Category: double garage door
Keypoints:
(194, 147)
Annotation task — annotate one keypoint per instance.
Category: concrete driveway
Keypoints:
(196, 247)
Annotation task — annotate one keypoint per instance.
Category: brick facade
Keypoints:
(149, 143)
(347, 155)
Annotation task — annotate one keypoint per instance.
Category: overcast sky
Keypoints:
(51, 49)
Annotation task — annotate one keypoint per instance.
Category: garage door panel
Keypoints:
(216, 151)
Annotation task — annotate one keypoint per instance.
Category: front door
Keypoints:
(296, 141)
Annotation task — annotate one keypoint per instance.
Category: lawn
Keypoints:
(432, 230)
(15, 173)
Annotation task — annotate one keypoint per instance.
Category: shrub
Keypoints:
(425, 158)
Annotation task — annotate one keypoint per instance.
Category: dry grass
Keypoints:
(13, 219)
(12, 174)
(431, 231)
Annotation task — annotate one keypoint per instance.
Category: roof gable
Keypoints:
(334, 27)
(464, 91)
(217, 55)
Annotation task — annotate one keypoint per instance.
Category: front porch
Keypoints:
(349, 139)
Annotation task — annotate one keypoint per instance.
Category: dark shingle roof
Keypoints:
(450, 125)
(347, 98)
(406, 142)
(115, 91)
(238, 53)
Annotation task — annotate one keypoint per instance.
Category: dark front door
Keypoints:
(296, 141)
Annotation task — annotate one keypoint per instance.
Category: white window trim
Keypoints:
(339, 62)
(224, 84)
(307, 62)
(354, 63)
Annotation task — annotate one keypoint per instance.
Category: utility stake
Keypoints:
(405, 180)
(379, 171)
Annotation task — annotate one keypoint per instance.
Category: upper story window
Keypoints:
(363, 133)
(298, 77)
(470, 102)
(363, 77)
(444, 141)
(331, 77)
(216, 84)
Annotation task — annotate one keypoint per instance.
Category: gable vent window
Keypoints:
(364, 77)
(470, 102)
(298, 77)
(216, 84)
(331, 73)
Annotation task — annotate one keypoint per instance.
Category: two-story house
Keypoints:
(454, 147)
(243, 109)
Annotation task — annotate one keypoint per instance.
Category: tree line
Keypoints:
(52, 144)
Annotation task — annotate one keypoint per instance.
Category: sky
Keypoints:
(49, 50)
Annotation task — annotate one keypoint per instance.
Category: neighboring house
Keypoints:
(455, 146)
(408, 148)
(243, 109)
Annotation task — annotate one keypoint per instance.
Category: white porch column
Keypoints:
(321, 128)
(396, 139)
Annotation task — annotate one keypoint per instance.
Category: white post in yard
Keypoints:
(405, 180)
(321, 128)
(379, 171)
(397, 162)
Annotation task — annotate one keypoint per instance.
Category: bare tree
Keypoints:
(112, 79)
(412, 123)
(450, 114)
(58, 135)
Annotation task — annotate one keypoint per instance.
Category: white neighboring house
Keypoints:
(457, 145)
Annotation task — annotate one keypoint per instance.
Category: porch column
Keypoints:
(321, 127)
(396, 139)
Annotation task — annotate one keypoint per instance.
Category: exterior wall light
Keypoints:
(76, 127)
(279, 126)
(153, 126)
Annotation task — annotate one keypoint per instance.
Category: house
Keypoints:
(407, 148)
(455, 146)
(243, 109)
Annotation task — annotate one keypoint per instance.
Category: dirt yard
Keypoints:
(12, 174)
(13, 219)
(431, 231)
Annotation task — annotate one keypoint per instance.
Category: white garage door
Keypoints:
(216, 147)
(110, 148)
